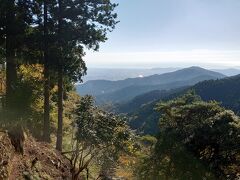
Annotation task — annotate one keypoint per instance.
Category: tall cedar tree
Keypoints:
(60, 82)
(11, 71)
(15, 18)
(24, 34)
(80, 23)
(40, 43)
(46, 122)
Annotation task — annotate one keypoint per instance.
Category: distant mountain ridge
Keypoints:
(125, 94)
(124, 90)
(115, 74)
(228, 72)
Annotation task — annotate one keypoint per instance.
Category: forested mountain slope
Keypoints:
(226, 91)
(128, 93)
(146, 98)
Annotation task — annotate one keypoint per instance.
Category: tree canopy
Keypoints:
(202, 130)
(99, 134)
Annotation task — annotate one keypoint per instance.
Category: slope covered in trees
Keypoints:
(198, 139)
(226, 91)
(143, 99)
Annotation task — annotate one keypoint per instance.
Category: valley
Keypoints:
(123, 90)
(137, 97)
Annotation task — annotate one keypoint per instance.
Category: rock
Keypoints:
(26, 175)
(4, 163)
(34, 161)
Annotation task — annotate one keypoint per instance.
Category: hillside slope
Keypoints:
(146, 98)
(226, 91)
(39, 161)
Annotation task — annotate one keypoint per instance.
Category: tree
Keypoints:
(98, 134)
(203, 133)
(11, 71)
(60, 80)
(53, 33)
(46, 128)
(42, 48)
(80, 23)
(15, 18)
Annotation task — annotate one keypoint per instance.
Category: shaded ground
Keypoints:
(39, 161)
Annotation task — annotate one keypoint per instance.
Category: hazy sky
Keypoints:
(164, 33)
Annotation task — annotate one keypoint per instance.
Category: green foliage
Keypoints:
(28, 38)
(82, 24)
(98, 127)
(148, 140)
(190, 127)
(99, 135)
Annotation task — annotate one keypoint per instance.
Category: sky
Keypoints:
(172, 33)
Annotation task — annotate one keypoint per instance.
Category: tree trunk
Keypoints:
(11, 80)
(46, 128)
(60, 83)
(60, 109)
(11, 68)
